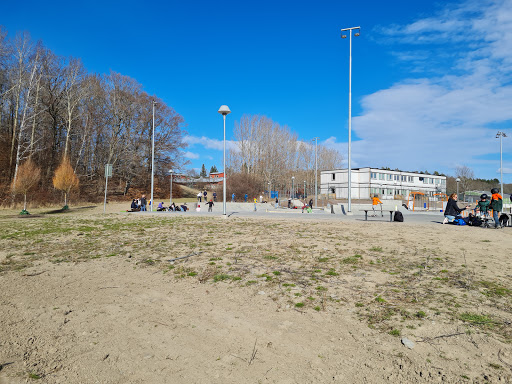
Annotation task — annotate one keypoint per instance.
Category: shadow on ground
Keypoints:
(62, 210)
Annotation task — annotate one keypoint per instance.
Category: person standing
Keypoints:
(245, 197)
(233, 198)
(215, 196)
(497, 206)
(277, 202)
(199, 195)
(210, 205)
(143, 203)
(311, 203)
(375, 202)
(205, 195)
(255, 202)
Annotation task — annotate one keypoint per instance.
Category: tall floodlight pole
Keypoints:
(304, 189)
(501, 135)
(316, 171)
(457, 180)
(224, 110)
(153, 159)
(170, 194)
(343, 36)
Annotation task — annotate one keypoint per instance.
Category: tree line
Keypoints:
(52, 109)
(271, 153)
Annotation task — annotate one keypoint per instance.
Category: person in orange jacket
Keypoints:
(375, 201)
(496, 206)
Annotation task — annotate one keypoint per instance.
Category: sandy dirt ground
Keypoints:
(93, 298)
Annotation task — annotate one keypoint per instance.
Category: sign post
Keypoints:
(108, 173)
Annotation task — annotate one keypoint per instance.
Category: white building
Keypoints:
(386, 183)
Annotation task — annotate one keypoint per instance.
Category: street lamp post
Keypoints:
(458, 181)
(153, 159)
(304, 189)
(170, 194)
(501, 135)
(293, 189)
(350, 112)
(316, 171)
(224, 111)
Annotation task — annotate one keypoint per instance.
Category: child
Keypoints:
(496, 205)
(483, 205)
(375, 201)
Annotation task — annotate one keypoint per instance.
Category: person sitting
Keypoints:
(172, 207)
(160, 207)
(184, 207)
(452, 211)
(134, 207)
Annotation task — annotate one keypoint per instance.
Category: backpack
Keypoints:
(474, 221)
(398, 217)
(460, 221)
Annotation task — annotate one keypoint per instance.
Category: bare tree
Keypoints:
(466, 176)
(74, 93)
(25, 101)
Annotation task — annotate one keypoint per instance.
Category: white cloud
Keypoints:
(208, 143)
(436, 123)
(190, 155)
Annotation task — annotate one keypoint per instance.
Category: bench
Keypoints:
(366, 214)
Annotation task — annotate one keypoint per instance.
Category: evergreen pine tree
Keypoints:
(203, 172)
(213, 169)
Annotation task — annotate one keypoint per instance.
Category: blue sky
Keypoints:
(431, 81)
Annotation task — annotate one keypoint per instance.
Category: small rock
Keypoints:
(261, 293)
(406, 342)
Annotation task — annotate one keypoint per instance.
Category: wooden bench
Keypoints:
(382, 215)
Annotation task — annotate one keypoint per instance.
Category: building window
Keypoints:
(333, 177)
(374, 175)
(431, 181)
(443, 182)
(381, 176)
(411, 179)
(397, 177)
(390, 177)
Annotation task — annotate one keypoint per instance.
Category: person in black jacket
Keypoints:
(452, 209)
